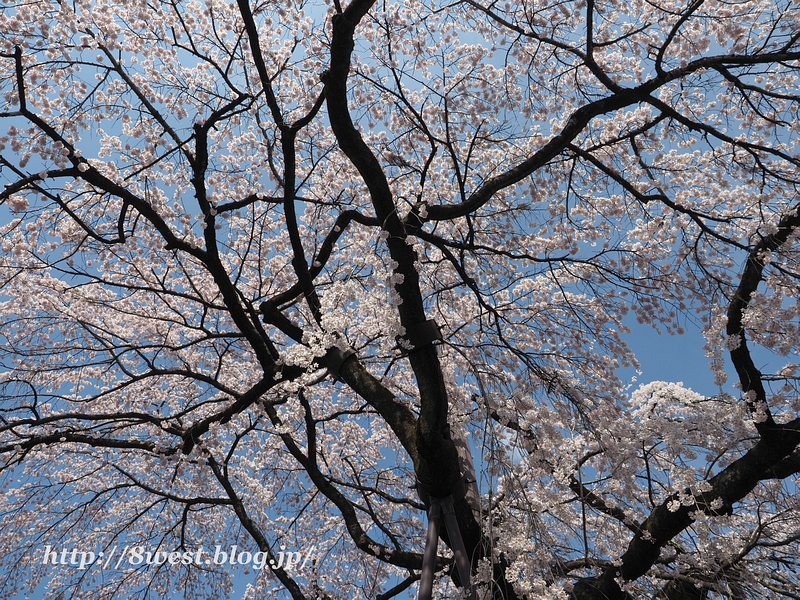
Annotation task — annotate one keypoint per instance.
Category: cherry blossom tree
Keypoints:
(283, 275)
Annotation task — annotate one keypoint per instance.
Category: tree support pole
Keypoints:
(443, 507)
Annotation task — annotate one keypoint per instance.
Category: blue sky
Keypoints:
(672, 358)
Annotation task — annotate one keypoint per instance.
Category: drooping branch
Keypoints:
(360, 537)
(221, 473)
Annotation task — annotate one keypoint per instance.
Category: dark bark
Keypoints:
(436, 461)
(682, 590)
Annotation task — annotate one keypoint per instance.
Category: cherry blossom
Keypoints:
(281, 275)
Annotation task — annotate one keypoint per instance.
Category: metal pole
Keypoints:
(438, 507)
(457, 544)
(431, 544)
